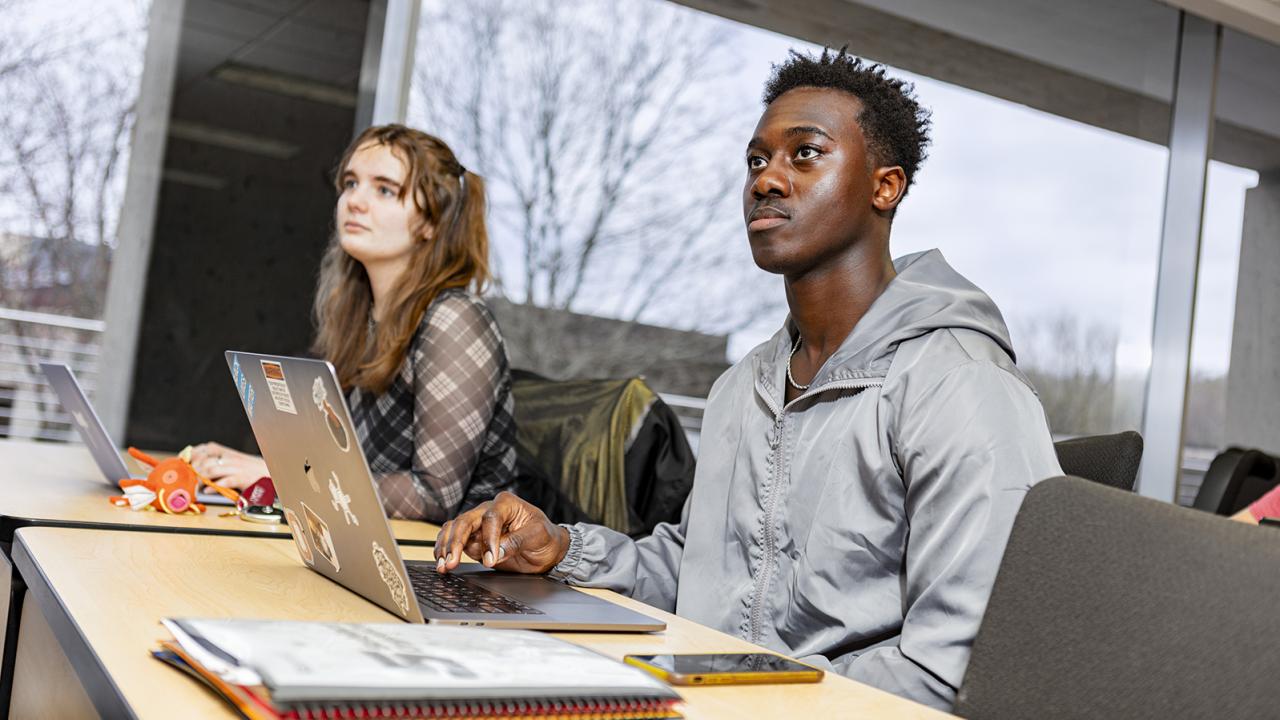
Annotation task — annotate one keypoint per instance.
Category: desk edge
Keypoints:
(98, 684)
(11, 524)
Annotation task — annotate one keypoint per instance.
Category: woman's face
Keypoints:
(375, 225)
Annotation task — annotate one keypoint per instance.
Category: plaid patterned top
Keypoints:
(442, 438)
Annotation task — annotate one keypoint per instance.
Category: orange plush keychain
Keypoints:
(171, 486)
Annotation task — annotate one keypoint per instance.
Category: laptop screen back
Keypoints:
(91, 430)
(305, 431)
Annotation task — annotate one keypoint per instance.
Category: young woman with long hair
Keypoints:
(416, 350)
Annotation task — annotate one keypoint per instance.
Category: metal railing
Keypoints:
(689, 410)
(28, 409)
(1195, 461)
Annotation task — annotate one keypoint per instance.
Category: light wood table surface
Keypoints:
(59, 484)
(102, 595)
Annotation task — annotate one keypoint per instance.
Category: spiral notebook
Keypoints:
(279, 669)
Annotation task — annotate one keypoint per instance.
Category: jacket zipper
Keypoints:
(769, 551)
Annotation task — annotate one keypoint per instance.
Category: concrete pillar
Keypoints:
(127, 279)
(1253, 382)
(263, 104)
(386, 70)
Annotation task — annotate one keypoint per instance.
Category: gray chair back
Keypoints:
(1112, 605)
(1108, 459)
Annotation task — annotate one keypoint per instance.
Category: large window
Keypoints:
(68, 83)
(1059, 222)
(611, 135)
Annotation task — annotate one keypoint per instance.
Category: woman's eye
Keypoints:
(807, 153)
(348, 184)
(385, 191)
(755, 162)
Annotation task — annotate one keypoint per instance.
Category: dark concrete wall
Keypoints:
(240, 231)
(567, 346)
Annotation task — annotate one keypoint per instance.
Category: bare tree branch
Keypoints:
(580, 114)
(64, 137)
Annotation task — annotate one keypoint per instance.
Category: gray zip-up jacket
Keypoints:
(860, 526)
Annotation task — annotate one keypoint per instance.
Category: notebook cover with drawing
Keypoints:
(270, 669)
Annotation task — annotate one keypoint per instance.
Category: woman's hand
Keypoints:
(227, 467)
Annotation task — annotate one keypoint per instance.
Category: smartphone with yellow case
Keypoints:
(725, 669)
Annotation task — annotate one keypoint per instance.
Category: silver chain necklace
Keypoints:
(791, 378)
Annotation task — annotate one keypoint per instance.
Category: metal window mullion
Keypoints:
(387, 66)
(1190, 137)
(127, 277)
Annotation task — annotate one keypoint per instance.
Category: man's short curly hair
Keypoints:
(896, 127)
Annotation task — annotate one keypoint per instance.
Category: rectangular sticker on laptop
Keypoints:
(280, 396)
(299, 532)
(242, 385)
(321, 538)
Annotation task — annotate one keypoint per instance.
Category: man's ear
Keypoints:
(888, 184)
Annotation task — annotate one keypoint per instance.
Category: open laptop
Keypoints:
(92, 432)
(331, 501)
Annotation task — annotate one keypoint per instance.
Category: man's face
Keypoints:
(809, 187)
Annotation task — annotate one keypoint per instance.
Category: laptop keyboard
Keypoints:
(450, 593)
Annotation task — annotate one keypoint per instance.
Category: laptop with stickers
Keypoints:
(105, 453)
(304, 429)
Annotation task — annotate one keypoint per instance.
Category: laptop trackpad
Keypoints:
(530, 589)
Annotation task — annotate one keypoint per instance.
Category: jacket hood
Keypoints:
(926, 295)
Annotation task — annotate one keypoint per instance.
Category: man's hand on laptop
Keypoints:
(506, 533)
(227, 467)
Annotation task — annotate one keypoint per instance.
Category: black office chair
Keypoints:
(1112, 605)
(1235, 478)
(1108, 459)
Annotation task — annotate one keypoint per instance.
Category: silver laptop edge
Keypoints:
(308, 439)
(94, 434)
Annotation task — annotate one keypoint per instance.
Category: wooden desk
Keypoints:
(59, 484)
(55, 484)
(102, 595)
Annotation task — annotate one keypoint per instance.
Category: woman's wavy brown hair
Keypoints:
(452, 251)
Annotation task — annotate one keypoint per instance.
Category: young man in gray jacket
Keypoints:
(860, 471)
